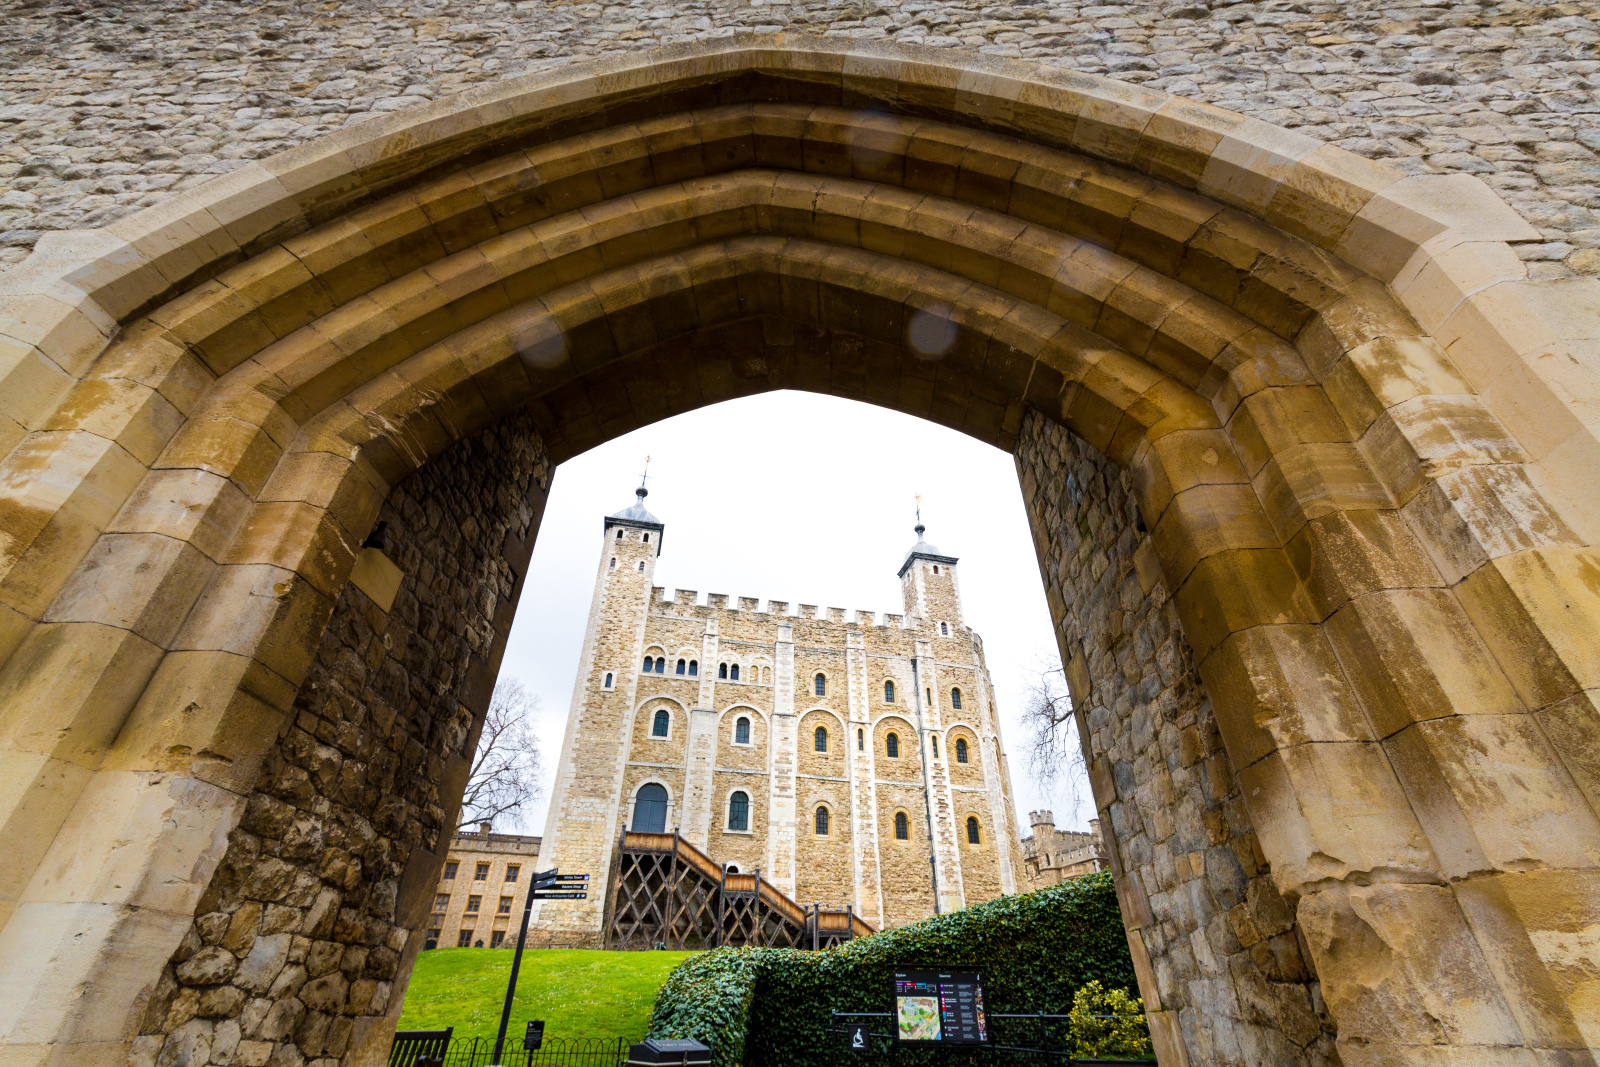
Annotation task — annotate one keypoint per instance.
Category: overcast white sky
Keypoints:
(804, 498)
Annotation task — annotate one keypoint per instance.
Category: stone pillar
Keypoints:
(863, 784)
(781, 760)
(936, 782)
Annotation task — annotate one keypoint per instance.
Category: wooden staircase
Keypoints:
(665, 891)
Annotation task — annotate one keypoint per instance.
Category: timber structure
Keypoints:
(666, 892)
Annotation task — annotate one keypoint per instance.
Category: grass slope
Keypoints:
(577, 992)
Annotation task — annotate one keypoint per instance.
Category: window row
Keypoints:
(661, 727)
(513, 871)
(441, 904)
(658, 665)
(650, 816)
(464, 939)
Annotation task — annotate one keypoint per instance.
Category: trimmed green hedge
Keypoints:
(768, 1007)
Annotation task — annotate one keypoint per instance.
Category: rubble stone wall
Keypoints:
(1215, 945)
(303, 941)
(106, 108)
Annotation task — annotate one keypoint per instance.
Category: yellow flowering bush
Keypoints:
(1106, 1024)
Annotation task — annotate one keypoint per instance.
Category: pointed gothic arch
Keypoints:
(1343, 413)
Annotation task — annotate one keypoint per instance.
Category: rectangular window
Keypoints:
(450, 870)
(441, 902)
(497, 939)
(472, 904)
(512, 872)
(433, 939)
(483, 872)
(464, 939)
(505, 905)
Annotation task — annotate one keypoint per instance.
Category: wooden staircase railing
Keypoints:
(665, 891)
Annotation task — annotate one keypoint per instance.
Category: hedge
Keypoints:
(767, 1007)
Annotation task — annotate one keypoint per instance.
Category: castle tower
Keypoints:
(584, 800)
(928, 585)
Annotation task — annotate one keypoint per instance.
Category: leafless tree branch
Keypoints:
(507, 772)
(1055, 756)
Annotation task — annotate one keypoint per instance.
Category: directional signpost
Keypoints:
(545, 885)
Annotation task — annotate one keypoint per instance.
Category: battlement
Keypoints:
(690, 598)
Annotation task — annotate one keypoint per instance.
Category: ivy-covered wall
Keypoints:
(769, 1007)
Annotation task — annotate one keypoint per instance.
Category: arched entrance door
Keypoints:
(650, 809)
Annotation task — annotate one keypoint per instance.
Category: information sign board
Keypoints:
(939, 1008)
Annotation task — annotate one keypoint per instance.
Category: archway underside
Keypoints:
(1385, 621)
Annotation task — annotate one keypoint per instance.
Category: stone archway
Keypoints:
(1300, 407)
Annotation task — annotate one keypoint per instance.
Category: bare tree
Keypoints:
(507, 772)
(1055, 756)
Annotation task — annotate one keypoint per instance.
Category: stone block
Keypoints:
(1407, 214)
(194, 507)
(1235, 590)
(261, 612)
(142, 582)
(1346, 554)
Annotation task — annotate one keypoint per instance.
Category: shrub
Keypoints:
(1108, 1024)
(769, 1007)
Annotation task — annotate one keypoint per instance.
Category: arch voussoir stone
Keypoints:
(1326, 599)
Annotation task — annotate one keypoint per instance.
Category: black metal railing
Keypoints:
(554, 1052)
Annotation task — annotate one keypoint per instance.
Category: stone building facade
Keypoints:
(851, 760)
(482, 889)
(1051, 856)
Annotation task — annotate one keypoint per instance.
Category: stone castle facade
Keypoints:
(852, 761)
(482, 889)
(1051, 856)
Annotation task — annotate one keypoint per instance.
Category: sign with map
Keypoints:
(939, 1007)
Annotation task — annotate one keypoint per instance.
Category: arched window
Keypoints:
(647, 539)
(619, 535)
(888, 692)
(861, 740)
(733, 868)
(936, 568)
(902, 832)
(961, 750)
(722, 670)
(658, 728)
(683, 666)
(649, 665)
(661, 665)
(694, 668)
(822, 822)
(972, 829)
(819, 740)
(955, 699)
(733, 673)
(822, 685)
(891, 745)
(611, 679)
(650, 809)
(934, 740)
(739, 810)
(641, 564)
(613, 562)
(741, 731)
(944, 629)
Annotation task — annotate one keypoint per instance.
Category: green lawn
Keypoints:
(577, 992)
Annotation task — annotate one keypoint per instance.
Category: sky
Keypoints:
(803, 498)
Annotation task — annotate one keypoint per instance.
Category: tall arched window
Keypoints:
(961, 750)
(641, 564)
(661, 665)
(972, 829)
(650, 809)
(619, 535)
(611, 679)
(613, 562)
(741, 731)
(694, 668)
(934, 740)
(888, 692)
(647, 539)
(955, 699)
(822, 685)
(649, 665)
(739, 810)
(902, 832)
(733, 673)
(819, 740)
(683, 666)
(658, 728)
(822, 822)
(944, 629)
(722, 670)
(891, 745)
